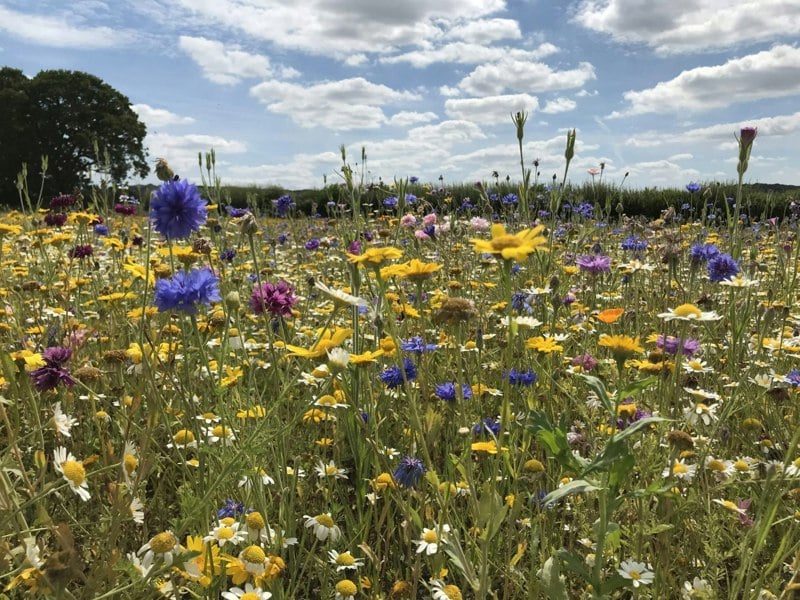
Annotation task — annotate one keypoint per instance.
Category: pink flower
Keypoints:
(421, 235)
(429, 219)
(408, 221)
(479, 223)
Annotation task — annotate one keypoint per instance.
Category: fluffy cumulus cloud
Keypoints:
(353, 103)
(523, 76)
(768, 74)
(468, 53)
(221, 64)
(346, 28)
(490, 109)
(406, 118)
(684, 26)
(559, 105)
(159, 117)
(61, 29)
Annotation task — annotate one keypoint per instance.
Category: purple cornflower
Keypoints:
(510, 199)
(409, 471)
(177, 209)
(393, 376)
(274, 298)
(585, 361)
(584, 209)
(524, 378)
(312, 244)
(53, 372)
(55, 219)
(670, 344)
(125, 209)
(283, 205)
(447, 391)
(228, 254)
(184, 291)
(594, 263)
(633, 242)
(700, 253)
(722, 267)
(62, 201)
(81, 251)
(793, 377)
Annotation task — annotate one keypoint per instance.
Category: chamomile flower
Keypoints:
(720, 469)
(61, 421)
(730, 505)
(324, 527)
(256, 476)
(130, 462)
(696, 365)
(444, 591)
(430, 539)
(638, 573)
(680, 470)
(330, 471)
(793, 468)
(344, 561)
(73, 472)
(688, 312)
(163, 546)
(220, 434)
(700, 411)
(697, 588)
(345, 590)
(227, 530)
(183, 438)
(136, 508)
(248, 593)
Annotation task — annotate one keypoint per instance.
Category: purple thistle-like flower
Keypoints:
(81, 251)
(177, 209)
(409, 472)
(722, 267)
(125, 209)
(54, 372)
(594, 263)
(693, 187)
(585, 361)
(274, 298)
(184, 291)
(62, 201)
(312, 244)
(55, 219)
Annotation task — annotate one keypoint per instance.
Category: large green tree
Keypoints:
(64, 115)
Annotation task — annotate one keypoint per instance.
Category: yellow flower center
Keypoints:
(688, 310)
(184, 436)
(225, 533)
(253, 554)
(679, 468)
(346, 588)
(254, 520)
(504, 241)
(796, 462)
(741, 465)
(208, 416)
(130, 462)
(635, 575)
(249, 596)
(220, 431)
(452, 592)
(730, 505)
(163, 542)
(701, 408)
(74, 471)
(716, 465)
(534, 466)
(324, 520)
(345, 559)
(331, 470)
(430, 537)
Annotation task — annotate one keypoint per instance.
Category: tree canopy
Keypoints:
(63, 114)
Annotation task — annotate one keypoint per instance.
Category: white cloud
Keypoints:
(449, 92)
(490, 109)
(59, 31)
(485, 31)
(158, 117)
(224, 65)
(181, 150)
(405, 118)
(302, 171)
(780, 125)
(340, 105)
(681, 156)
(523, 76)
(768, 74)
(338, 28)
(468, 53)
(559, 105)
(684, 26)
(355, 60)
(448, 133)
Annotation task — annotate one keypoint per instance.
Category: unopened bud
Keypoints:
(232, 300)
(570, 151)
(248, 224)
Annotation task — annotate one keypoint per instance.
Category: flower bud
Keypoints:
(519, 118)
(233, 301)
(570, 151)
(248, 224)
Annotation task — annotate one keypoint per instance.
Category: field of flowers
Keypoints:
(496, 401)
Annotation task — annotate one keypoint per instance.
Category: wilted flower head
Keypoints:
(177, 209)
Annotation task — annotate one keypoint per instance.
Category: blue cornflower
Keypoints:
(413, 179)
(488, 427)
(722, 267)
(693, 187)
(510, 199)
(409, 471)
(516, 377)
(430, 231)
(793, 377)
(633, 242)
(393, 376)
(411, 199)
(101, 229)
(417, 345)
(312, 244)
(177, 209)
(520, 302)
(235, 213)
(228, 254)
(283, 238)
(283, 205)
(390, 202)
(584, 209)
(231, 509)
(700, 253)
(184, 291)
(447, 391)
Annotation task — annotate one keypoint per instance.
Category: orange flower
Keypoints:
(610, 315)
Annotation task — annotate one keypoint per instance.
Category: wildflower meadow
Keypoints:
(526, 395)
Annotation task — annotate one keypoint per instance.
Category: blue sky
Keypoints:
(654, 88)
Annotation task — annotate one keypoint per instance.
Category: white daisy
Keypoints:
(73, 471)
(324, 527)
(164, 546)
(248, 593)
(227, 530)
(330, 471)
(637, 572)
(344, 561)
(430, 539)
(62, 422)
(688, 312)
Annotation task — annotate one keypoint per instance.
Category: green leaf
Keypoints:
(578, 486)
(637, 387)
(660, 528)
(640, 424)
(600, 389)
(552, 581)
(575, 564)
